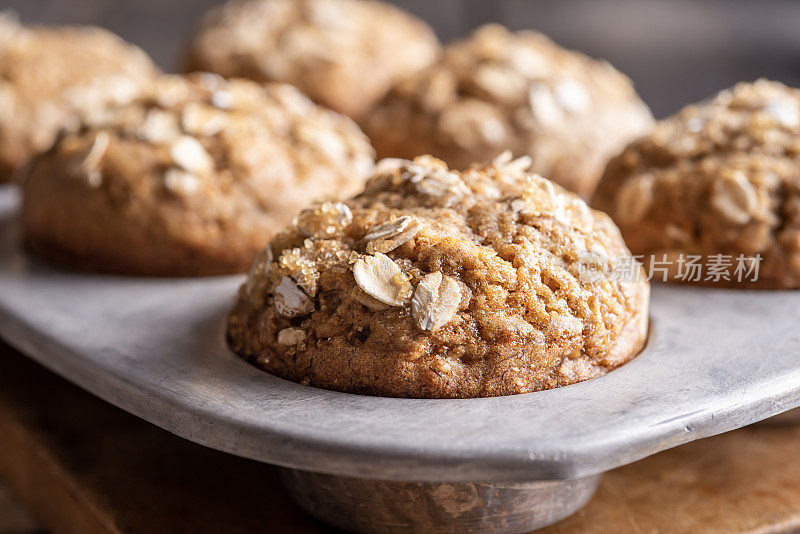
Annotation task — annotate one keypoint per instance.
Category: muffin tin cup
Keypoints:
(388, 507)
(716, 360)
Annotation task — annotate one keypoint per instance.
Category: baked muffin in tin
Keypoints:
(718, 184)
(47, 74)
(441, 284)
(345, 54)
(498, 91)
(192, 176)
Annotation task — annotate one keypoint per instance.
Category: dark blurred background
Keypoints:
(676, 51)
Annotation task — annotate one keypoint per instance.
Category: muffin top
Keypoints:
(196, 172)
(434, 283)
(720, 177)
(498, 91)
(43, 74)
(345, 54)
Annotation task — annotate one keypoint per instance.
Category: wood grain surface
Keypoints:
(83, 466)
(14, 518)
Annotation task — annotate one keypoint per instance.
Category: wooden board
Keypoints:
(83, 466)
(14, 518)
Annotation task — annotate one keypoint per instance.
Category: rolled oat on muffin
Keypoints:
(441, 284)
(192, 177)
(498, 91)
(345, 54)
(44, 74)
(719, 181)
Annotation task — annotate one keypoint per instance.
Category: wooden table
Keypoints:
(14, 518)
(83, 466)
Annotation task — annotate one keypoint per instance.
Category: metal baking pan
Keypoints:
(716, 360)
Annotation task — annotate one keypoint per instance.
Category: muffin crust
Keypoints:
(193, 176)
(438, 284)
(47, 74)
(719, 178)
(345, 54)
(498, 91)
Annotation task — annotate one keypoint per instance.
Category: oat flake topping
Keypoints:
(174, 183)
(446, 293)
(499, 90)
(718, 179)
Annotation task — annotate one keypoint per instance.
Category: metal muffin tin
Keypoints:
(717, 360)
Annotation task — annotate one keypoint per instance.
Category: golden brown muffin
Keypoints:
(42, 71)
(720, 182)
(192, 177)
(498, 91)
(345, 54)
(434, 283)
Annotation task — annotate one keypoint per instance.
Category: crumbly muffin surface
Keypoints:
(192, 176)
(438, 284)
(49, 73)
(345, 54)
(498, 91)
(719, 178)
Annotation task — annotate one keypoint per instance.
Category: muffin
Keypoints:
(439, 284)
(498, 91)
(345, 54)
(42, 74)
(718, 184)
(192, 177)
